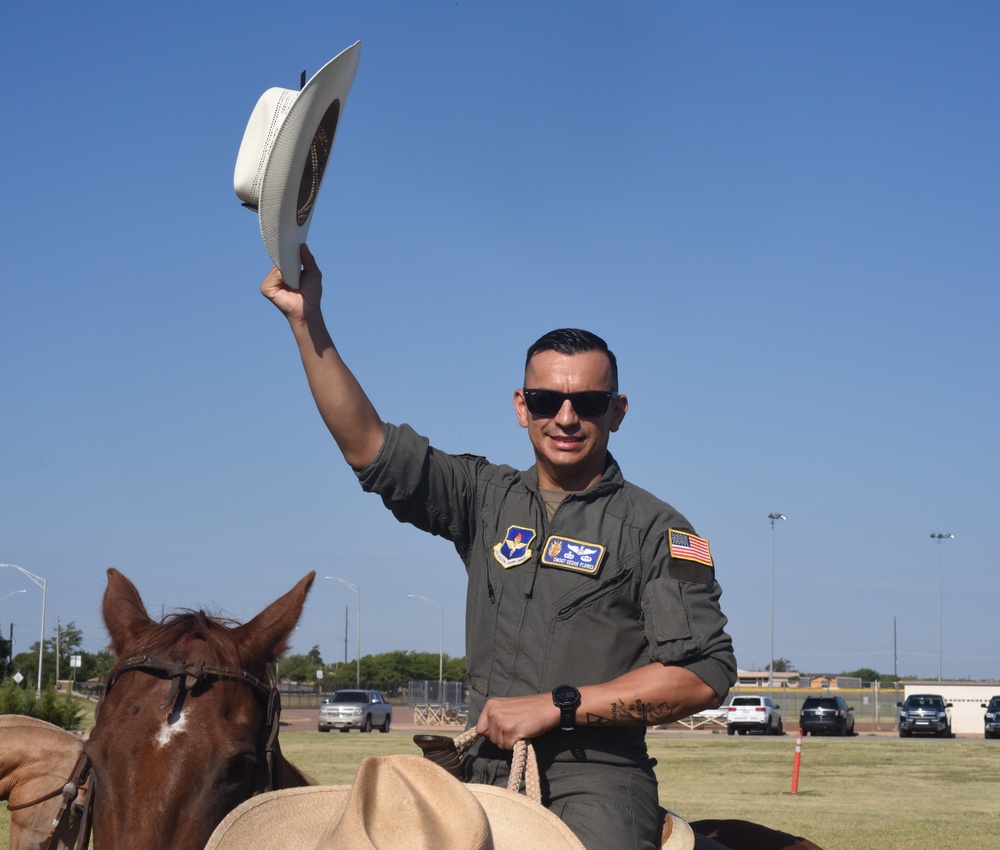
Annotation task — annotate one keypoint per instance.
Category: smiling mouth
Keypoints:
(565, 440)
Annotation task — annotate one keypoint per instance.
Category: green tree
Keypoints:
(59, 710)
(5, 648)
(26, 663)
(300, 668)
(867, 675)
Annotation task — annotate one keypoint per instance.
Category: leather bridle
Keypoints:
(185, 675)
(70, 791)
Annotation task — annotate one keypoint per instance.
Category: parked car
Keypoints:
(827, 715)
(748, 714)
(925, 713)
(992, 717)
(355, 709)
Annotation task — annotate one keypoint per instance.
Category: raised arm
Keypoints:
(346, 409)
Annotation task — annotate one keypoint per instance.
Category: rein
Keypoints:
(70, 791)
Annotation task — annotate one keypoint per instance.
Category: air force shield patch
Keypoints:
(515, 548)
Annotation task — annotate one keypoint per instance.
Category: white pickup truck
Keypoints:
(747, 714)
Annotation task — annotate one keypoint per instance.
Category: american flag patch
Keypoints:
(689, 547)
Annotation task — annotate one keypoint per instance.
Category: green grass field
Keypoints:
(863, 793)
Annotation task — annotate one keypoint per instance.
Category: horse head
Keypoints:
(187, 727)
(43, 780)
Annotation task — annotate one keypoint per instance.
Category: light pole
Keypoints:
(441, 644)
(9, 595)
(939, 537)
(357, 590)
(41, 641)
(770, 667)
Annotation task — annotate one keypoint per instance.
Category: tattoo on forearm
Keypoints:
(636, 713)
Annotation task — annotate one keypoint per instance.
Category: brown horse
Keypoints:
(746, 835)
(37, 761)
(187, 727)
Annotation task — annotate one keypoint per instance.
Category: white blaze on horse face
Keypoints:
(172, 726)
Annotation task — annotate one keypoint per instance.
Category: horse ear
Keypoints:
(265, 638)
(124, 614)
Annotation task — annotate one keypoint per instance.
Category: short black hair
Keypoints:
(574, 341)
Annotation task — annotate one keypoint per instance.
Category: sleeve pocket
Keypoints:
(670, 628)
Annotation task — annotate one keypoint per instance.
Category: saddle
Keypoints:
(675, 833)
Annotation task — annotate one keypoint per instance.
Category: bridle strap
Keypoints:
(68, 789)
(83, 832)
(190, 673)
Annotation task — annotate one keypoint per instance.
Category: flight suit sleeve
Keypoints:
(684, 622)
(427, 488)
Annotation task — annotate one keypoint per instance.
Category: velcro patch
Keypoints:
(568, 554)
(515, 548)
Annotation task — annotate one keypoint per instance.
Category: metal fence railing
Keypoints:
(874, 707)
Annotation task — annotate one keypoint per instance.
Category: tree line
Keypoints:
(388, 671)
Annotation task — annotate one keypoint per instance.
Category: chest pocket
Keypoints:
(607, 590)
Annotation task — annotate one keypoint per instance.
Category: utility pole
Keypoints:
(895, 671)
(939, 537)
(770, 666)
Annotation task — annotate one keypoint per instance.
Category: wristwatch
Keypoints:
(567, 699)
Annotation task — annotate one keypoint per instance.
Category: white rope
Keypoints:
(523, 766)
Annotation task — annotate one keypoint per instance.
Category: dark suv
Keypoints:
(925, 713)
(992, 717)
(829, 715)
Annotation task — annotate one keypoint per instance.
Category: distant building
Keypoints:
(833, 682)
(762, 678)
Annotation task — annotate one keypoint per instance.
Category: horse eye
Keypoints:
(240, 769)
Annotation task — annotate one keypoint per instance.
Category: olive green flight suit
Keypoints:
(580, 599)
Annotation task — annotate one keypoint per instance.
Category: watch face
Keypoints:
(565, 695)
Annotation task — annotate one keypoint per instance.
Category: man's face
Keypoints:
(571, 450)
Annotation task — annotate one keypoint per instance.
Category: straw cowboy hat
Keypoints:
(284, 153)
(400, 802)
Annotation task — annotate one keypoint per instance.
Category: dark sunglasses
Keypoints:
(589, 403)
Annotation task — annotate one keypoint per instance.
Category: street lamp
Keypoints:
(357, 590)
(939, 537)
(9, 595)
(441, 650)
(41, 641)
(770, 667)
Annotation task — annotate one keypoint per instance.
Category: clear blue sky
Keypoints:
(783, 217)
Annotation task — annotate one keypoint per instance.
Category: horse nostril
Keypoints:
(134, 709)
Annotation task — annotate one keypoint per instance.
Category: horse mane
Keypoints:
(167, 638)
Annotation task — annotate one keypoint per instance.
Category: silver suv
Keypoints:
(353, 709)
(746, 714)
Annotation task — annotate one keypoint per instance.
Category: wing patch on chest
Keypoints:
(577, 555)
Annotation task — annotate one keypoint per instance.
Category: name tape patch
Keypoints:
(568, 554)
